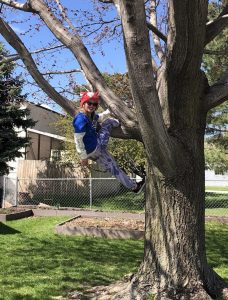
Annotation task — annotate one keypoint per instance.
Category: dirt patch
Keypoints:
(114, 223)
(113, 228)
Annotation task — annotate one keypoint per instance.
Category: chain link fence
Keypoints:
(95, 193)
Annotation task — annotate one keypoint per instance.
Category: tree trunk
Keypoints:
(175, 264)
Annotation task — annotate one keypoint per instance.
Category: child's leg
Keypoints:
(104, 132)
(107, 162)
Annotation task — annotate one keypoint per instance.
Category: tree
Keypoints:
(171, 100)
(12, 117)
(215, 64)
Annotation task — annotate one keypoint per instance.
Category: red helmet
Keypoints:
(86, 96)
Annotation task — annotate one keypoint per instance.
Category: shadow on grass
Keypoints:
(4, 229)
(217, 244)
(51, 265)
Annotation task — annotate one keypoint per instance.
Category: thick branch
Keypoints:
(213, 28)
(93, 75)
(74, 43)
(155, 136)
(21, 6)
(218, 93)
(18, 45)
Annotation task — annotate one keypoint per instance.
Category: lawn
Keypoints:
(38, 264)
(216, 188)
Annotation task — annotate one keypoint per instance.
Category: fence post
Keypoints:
(4, 192)
(90, 193)
(16, 192)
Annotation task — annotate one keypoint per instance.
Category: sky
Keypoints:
(109, 57)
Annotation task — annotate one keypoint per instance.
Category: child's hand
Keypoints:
(84, 162)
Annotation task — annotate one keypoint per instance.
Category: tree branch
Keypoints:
(217, 93)
(156, 31)
(26, 57)
(15, 57)
(106, 1)
(157, 42)
(74, 43)
(136, 38)
(213, 28)
(63, 12)
(93, 75)
(21, 6)
(215, 52)
(63, 72)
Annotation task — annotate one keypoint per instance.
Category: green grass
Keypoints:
(219, 212)
(38, 264)
(217, 247)
(216, 188)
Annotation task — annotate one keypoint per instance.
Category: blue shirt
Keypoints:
(86, 128)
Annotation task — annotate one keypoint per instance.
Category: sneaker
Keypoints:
(106, 115)
(140, 186)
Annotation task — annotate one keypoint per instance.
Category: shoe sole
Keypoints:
(142, 188)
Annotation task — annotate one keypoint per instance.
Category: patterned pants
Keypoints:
(104, 159)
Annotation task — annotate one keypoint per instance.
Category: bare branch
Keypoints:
(15, 57)
(217, 93)
(215, 52)
(213, 28)
(18, 45)
(157, 32)
(63, 72)
(21, 6)
(61, 8)
(93, 75)
(106, 1)
(154, 66)
(157, 43)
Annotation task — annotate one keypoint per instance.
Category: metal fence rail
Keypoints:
(94, 193)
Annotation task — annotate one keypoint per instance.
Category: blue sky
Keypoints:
(111, 59)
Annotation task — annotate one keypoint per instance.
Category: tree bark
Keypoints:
(175, 264)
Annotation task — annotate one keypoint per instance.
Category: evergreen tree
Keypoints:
(13, 118)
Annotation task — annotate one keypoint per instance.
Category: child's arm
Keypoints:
(80, 147)
(79, 124)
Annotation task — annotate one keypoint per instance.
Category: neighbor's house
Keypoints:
(44, 140)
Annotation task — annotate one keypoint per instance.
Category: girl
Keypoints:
(91, 144)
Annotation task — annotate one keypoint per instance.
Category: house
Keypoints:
(44, 137)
